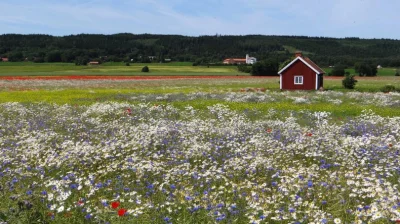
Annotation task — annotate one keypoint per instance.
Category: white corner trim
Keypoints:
(280, 81)
(316, 81)
(298, 58)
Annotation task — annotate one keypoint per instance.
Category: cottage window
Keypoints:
(298, 80)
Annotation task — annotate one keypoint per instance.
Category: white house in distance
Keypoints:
(247, 60)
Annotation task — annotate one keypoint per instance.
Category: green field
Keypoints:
(119, 68)
(111, 68)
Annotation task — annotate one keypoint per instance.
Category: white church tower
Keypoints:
(250, 60)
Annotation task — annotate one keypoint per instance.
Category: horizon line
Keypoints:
(205, 35)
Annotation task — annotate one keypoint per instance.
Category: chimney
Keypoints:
(298, 54)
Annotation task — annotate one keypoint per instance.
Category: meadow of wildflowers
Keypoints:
(148, 161)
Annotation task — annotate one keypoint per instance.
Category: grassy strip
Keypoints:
(20, 69)
(120, 68)
(342, 110)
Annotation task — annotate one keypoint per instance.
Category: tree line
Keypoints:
(127, 47)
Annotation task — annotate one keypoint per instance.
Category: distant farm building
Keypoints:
(4, 59)
(94, 63)
(301, 74)
(247, 60)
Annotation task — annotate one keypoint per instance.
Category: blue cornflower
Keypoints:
(324, 221)
(88, 216)
(73, 186)
(324, 184)
(291, 210)
(274, 184)
(220, 218)
(310, 184)
(44, 192)
(29, 192)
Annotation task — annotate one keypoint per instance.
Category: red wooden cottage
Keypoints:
(301, 74)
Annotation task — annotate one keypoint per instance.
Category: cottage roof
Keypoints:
(306, 61)
(235, 59)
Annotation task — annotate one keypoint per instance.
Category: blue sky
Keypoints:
(329, 18)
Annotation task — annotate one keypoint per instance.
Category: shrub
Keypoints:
(81, 60)
(244, 68)
(388, 88)
(366, 69)
(349, 82)
(268, 67)
(145, 69)
(397, 72)
(127, 64)
(338, 70)
(38, 60)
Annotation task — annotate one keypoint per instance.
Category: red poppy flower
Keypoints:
(122, 212)
(309, 134)
(390, 145)
(115, 204)
(50, 214)
(129, 111)
(269, 130)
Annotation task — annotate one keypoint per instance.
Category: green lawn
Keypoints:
(118, 68)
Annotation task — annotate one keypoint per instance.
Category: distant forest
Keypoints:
(201, 50)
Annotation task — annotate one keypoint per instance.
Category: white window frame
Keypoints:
(300, 78)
